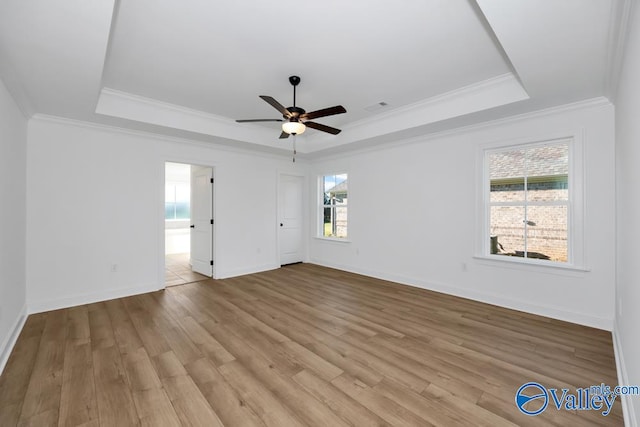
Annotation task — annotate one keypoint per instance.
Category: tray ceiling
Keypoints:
(190, 68)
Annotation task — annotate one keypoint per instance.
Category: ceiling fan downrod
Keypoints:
(295, 81)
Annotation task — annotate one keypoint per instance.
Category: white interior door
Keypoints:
(290, 207)
(202, 220)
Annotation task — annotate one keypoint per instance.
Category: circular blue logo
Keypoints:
(534, 396)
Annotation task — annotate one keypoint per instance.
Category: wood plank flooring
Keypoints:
(299, 346)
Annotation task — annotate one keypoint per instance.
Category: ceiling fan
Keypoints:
(296, 119)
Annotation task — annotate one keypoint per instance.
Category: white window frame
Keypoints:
(321, 206)
(576, 206)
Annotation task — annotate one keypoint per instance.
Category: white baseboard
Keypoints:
(88, 298)
(628, 411)
(546, 311)
(10, 341)
(244, 271)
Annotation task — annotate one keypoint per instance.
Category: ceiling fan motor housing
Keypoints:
(295, 112)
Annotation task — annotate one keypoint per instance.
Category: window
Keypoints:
(333, 211)
(177, 201)
(528, 193)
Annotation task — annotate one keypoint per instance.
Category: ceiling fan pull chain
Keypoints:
(294, 148)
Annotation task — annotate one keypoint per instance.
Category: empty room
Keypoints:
(259, 213)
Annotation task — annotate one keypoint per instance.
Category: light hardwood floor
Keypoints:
(177, 270)
(302, 345)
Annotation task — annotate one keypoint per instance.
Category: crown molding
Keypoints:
(138, 108)
(494, 92)
(597, 102)
(328, 154)
(272, 153)
(138, 99)
(475, 89)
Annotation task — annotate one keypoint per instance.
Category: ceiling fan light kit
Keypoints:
(293, 127)
(296, 119)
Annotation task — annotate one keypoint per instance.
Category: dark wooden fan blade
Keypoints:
(284, 135)
(258, 120)
(338, 109)
(275, 104)
(323, 128)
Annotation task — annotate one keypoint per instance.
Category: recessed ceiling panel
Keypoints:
(218, 57)
(558, 48)
(52, 53)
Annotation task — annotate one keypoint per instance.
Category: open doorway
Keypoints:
(188, 237)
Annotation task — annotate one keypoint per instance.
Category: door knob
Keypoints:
(281, 224)
(192, 226)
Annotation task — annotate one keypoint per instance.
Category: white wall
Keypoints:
(95, 198)
(413, 211)
(13, 164)
(628, 215)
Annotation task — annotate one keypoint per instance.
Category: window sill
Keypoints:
(529, 264)
(332, 239)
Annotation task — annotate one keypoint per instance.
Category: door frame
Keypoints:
(305, 209)
(161, 226)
